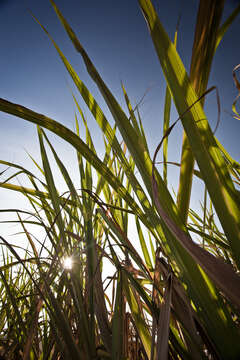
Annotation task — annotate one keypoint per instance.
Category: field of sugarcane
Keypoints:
(177, 298)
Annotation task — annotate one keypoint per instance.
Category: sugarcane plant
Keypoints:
(176, 299)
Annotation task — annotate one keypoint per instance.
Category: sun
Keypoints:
(67, 263)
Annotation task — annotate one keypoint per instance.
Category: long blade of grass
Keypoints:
(167, 109)
(136, 313)
(184, 312)
(52, 188)
(166, 121)
(117, 322)
(144, 245)
(225, 26)
(208, 20)
(200, 137)
(164, 322)
(222, 274)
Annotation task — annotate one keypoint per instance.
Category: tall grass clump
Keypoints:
(177, 299)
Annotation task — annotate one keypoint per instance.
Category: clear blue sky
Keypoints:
(116, 37)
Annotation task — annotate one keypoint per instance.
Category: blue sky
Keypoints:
(115, 35)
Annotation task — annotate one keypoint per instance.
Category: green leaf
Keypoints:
(209, 158)
(118, 321)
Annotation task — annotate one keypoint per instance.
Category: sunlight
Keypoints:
(67, 263)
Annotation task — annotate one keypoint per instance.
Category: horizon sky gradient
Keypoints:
(117, 40)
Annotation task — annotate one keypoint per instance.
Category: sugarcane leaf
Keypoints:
(208, 156)
(164, 321)
(225, 26)
(222, 274)
(117, 322)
